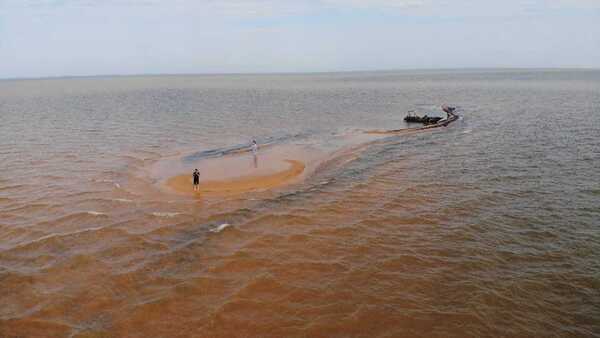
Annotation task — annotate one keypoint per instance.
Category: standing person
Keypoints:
(196, 176)
(254, 147)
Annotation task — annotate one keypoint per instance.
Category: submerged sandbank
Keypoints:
(183, 183)
(240, 171)
(237, 173)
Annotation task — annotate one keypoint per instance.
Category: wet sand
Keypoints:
(235, 173)
(274, 166)
(238, 185)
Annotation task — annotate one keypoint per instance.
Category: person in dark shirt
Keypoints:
(196, 176)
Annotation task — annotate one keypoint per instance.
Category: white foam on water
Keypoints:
(95, 213)
(59, 235)
(102, 181)
(165, 214)
(220, 228)
(124, 200)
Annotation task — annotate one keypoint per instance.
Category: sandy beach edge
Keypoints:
(183, 183)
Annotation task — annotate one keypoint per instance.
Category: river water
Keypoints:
(489, 227)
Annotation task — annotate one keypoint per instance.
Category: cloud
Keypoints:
(577, 3)
(75, 37)
(241, 8)
(381, 4)
(265, 8)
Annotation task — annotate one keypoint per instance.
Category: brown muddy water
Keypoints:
(487, 228)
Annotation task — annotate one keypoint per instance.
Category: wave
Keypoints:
(166, 214)
(123, 200)
(99, 237)
(57, 236)
(30, 207)
(95, 213)
(241, 148)
(12, 187)
(74, 218)
(107, 181)
(82, 194)
(220, 228)
(102, 181)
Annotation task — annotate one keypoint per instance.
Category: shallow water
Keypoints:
(486, 228)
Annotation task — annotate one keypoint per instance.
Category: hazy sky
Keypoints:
(85, 37)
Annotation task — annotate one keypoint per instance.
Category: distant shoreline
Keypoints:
(219, 74)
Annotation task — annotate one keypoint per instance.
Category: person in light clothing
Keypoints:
(254, 147)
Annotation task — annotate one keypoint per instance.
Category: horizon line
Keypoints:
(58, 77)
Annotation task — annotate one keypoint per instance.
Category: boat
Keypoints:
(426, 120)
(448, 110)
(433, 121)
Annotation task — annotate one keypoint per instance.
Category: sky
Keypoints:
(43, 38)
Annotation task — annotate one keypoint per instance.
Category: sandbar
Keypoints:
(238, 185)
